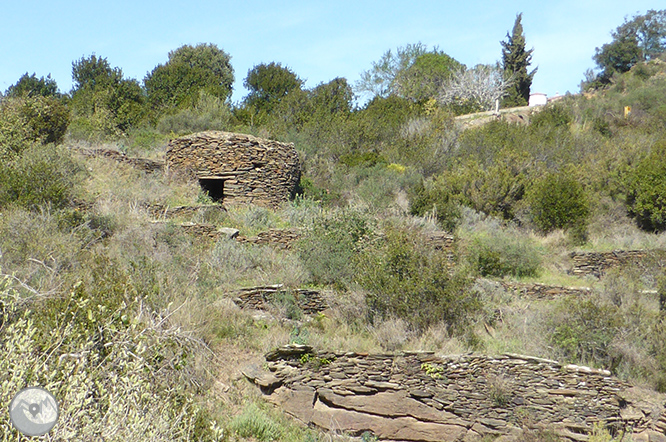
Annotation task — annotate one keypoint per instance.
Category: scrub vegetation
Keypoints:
(131, 323)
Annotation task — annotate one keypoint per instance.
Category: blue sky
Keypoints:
(318, 40)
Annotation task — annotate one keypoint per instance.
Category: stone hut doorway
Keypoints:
(214, 187)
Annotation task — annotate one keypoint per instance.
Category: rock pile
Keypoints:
(421, 397)
(258, 298)
(138, 163)
(238, 168)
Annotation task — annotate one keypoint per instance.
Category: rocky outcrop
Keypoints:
(259, 298)
(422, 397)
(597, 263)
(237, 168)
(138, 163)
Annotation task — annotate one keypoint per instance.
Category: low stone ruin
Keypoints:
(237, 168)
(259, 298)
(543, 291)
(417, 396)
(138, 163)
(597, 263)
(280, 238)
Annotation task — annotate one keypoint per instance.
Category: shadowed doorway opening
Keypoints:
(214, 187)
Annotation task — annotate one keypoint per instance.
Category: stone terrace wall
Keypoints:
(138, 163)
(259, 298)
(281, 238)
(421, 397)
(597, 263)
(253, 170)
(167, 212)
(543, 291)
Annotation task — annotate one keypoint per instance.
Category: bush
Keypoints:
(646, 190)
(435, 199)
(42, 175)
(27, 120)
(209, 113)
(327, 251)
(407, 280)
(583, 331)
(502, 253)
(552, 116)
(558, 201)
(115, 375)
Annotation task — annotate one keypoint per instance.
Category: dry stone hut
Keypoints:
(237, 168)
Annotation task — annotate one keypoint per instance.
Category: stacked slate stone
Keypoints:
(259, 298)
(280, 238)
(166, 212)
(422, 397)
(597, 263)
(138, 163)
(543, 291)
(251, 170)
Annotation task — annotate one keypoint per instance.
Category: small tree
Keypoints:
(474, 89)
(102, 100)
(424, 78)
(640, 39)
(268, 84)
(558, 201)
(31, 86)
(515, 60)
(190, 70)
(646, 190)
(379, 81)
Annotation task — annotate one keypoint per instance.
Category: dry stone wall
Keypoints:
(259, 298)
(422, 397)
(138, 163)
(248, 169)
(597, 263)
(280, 238)
(167, 212)
(543, 291)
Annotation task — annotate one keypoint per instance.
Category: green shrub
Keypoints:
(553, 116)
(27, 120)
(584, 329)
(209, 113)
(437, 200)
(256, 424)
(409, 281)
(42, 175)
(115, 371)
(502, 253)
(646, 190)
(328, 248)
(558, 201)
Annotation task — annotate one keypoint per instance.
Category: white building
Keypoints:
(538, 99)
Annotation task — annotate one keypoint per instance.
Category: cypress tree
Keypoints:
(515, 60)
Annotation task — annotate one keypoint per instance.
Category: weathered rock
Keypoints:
(228, 232)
